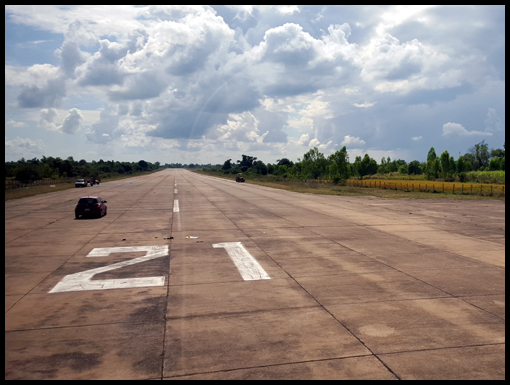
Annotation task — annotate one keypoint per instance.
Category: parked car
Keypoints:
(80, 183)
(90, 206)
(239, 178)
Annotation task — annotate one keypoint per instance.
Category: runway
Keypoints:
(195, 277)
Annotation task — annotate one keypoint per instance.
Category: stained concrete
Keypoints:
(359, 288)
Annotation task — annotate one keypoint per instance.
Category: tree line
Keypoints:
(338, 168)
(54, 168)
(312, 165)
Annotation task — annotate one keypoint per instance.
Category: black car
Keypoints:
(90, 206)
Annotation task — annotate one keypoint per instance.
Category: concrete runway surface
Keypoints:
(256, 283)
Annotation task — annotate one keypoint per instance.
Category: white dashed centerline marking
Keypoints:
(176, 205)
(175, 191)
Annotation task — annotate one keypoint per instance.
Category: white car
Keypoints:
(80, 183)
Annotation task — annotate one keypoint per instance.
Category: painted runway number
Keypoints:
(83, 280)
(247, 266)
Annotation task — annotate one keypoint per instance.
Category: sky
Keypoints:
(203, 84)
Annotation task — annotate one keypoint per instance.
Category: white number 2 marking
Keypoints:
(83, 280)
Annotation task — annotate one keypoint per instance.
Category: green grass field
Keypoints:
(17, 193)
(311, 187)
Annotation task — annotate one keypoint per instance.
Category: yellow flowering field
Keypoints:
(424, 185)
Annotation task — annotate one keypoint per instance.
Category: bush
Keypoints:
(336, 179)
(27, 172)
(486, 177)
(495, 164)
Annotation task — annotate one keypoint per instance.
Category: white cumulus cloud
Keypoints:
(456, 129)
(72, 121)
(305, 138)
(13, 123)
(352, 141)
(314, 142)
(47, 119)
(23, 147)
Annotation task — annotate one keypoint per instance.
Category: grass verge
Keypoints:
(329, 189)
(18, 193)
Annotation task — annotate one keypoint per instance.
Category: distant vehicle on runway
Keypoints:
(90, 206)
(239, 178)
(80, 183)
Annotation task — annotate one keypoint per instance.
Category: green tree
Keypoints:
(414, 168)
(282, 171)
(403, 169)
(445, 165)
(382, 169)
(468, 157)
(495, 164)
(260, 167)
(480, 155)
(284, 162)
(372, 167)
(391, 166)
(460, 166)
(227, 165)
(366, 166)
(46, 171)
(341, 160)
(314, 163)
(27, 172)
(334, 172)
(498, 152)
(452, 165)
(141, 163)
(460, 169)
(431, 155)
(247, 161)
(432, 169)
(432, 166)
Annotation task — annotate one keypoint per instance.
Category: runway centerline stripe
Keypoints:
(176, 205)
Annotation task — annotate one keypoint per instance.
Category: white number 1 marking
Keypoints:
(248, 266)
(83, 280)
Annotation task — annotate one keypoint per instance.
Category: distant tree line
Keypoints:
(338, 168)
(191, 165)
(50, 167)
(313, 165)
